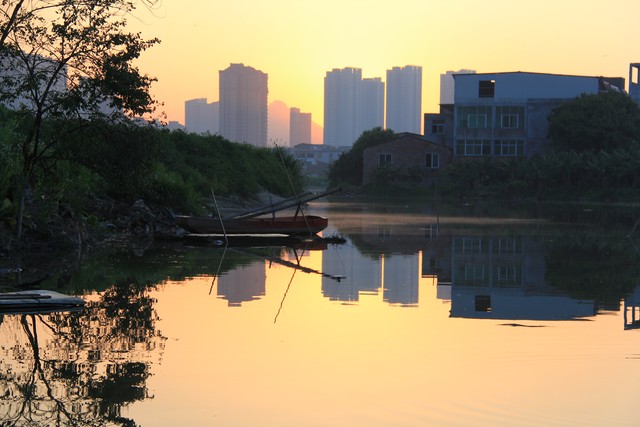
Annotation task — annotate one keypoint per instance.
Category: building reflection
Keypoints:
(401, 275)
(499, 276)
(504, 278)
(632, 310)
(385, 259)
(363, 274)
(242, 284)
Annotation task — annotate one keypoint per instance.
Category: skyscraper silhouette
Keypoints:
(201, 116)
(351, 105)
(404, 99)
(243, 104)
(299, 127)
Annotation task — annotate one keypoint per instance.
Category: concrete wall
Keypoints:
(520, 86)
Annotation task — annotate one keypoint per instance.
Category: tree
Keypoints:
(14, 13)
(63, 60)
(597, 122)
(348, 168)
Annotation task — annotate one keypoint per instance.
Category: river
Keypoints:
(476, 315)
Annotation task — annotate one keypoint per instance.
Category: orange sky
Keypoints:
(297, 42)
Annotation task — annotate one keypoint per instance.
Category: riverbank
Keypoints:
(52, 249)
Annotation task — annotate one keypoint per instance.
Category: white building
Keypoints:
(201, 116)
(340, 101)
(404, 99)
(243, 105)
(352, 105)
(634, 82)
(370, 105)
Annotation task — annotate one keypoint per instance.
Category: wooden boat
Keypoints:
(284, 225)
(37, 301)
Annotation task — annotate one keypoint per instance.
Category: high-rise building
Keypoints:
(201, 116)
(634, 82)
(243, 104)
(447, 86)
(351, 105)
(340, 101)
(370, 106)
(299, 127)
(404, 99)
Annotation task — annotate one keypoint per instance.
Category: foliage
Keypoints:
(394, 177)
(199, 164)
(599, 122)
(9, 159)
(62, 60)
(348, 168)
(126, 162)
(601, 175)
(75, 61)
(591, 268)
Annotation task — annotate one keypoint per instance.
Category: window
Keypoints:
(483, 303)
(509, 121)
(470, 246)
(486, 88)
(384, 159)
(433, 160)
(473, 147)
(507, 246)
(477, 121)
(384, 231)
(510, 117)
(476, 117)
(437, 126)
(472, 275)
(509, 148)
(507, 275)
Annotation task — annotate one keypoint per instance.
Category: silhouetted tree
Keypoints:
(62, 60)
(597, 122)
(349, 166)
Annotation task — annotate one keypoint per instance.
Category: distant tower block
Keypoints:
(634, 82)
(299, 127)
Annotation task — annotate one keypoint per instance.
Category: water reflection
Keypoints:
(79, 368)
(500, 268)
(92, 366)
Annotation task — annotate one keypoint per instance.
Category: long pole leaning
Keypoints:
(293, 188)
(215, 202)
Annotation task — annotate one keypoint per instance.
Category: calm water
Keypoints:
(474, 316)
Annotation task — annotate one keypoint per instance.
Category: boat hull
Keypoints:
(285, 225)
(37, 301)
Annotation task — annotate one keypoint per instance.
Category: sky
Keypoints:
(297, 41)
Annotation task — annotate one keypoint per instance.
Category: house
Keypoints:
(316, 158)
(438, 127)
(506, 114)
(408, 152)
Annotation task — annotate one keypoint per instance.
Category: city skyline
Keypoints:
(291, 42)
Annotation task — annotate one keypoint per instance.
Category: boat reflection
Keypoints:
(496, 272)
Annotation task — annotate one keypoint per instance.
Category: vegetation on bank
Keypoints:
(126, 162)
(594, 155)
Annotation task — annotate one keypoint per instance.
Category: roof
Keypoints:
(531, 72)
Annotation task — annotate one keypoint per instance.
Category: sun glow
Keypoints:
(296, 43)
